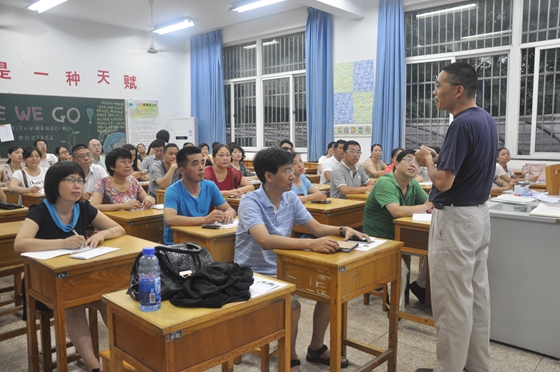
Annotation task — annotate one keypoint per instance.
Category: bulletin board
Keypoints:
(142, 121)
(62, 121)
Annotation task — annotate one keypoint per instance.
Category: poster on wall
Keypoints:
(353, 98)
(142, 121)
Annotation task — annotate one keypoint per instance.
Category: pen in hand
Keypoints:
(76, 233)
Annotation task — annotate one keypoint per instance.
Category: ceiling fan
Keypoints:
(152, 49)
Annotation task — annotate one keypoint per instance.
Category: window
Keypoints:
(516, 61)
(265, 92)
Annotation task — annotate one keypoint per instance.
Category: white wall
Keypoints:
(42, 42)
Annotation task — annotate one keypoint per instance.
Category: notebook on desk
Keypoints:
(346, 246)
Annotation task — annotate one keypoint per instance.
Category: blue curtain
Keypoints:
(319, 70)
(207, 87)
(389, 91)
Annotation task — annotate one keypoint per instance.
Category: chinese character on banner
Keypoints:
(72, 78)
(130, 82)
(4, 72)
(103, 74)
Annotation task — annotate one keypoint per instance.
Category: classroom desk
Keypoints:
(11, 264)
(414, 235)
(63, 282)
(10, 215)
(145, 185)
(160, 195)
(29, 199)
(314, 178)
(340, 212)
(322, 186)
(145, 224)
(12, 197)
(233, 202)
(337, 278)
(361, 196)
(220, 243)
(195, 339)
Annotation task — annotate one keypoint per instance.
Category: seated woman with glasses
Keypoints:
(61, 221)
(301, 185)
(62, 153)
(120, 190)
(229, 180)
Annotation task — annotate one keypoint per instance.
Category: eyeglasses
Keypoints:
(84, 156)
(410, 160)
(289, 171)
(354, 152)
(41, 144)
(125, 162)
(437, 85)
(74, 180)
(63, 152)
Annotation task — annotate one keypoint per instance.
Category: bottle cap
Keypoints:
(148, 250)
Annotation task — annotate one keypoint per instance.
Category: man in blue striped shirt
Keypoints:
(266, 218)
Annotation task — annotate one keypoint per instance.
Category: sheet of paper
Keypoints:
(547, 198)
(157, 206)
(6, 133)
(513, 199)
(546, 211)
(263, 285)
(45, 255)
(422, 217)
(93, 253)
(367, 246)
(227, 225)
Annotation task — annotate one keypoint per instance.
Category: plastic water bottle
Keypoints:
(527, 182)
(149, 286)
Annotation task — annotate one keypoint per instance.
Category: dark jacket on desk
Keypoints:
(215, 285)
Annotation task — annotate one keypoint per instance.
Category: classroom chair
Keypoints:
(553, 179)
(16, 271)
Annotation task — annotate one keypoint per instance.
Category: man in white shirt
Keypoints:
(46, 159)
(329, 164)
(347, 177)
(93, 172)
(95, 149)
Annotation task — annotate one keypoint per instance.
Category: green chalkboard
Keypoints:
(62, 121)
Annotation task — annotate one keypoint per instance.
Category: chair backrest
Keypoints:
(535, 170)
(553, 179)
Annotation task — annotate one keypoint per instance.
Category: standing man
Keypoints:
(266, 218)
(93, 172)
(96, 150)
(165, 172)
(156, 145)
(328, 165)
(397, 194)
(190, 201)
(460, 229)
(347, 177)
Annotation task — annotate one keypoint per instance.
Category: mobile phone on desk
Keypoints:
(211, 226)
(355, 238)
(321, 201)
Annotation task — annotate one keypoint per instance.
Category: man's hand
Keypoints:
(323, 245)
(423, 156)
(86, 195)
(215, 216)
(350, 231)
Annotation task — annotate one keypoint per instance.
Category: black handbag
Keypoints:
(176, 262)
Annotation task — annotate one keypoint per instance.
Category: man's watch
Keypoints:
(340, 231)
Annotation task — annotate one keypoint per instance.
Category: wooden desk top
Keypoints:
(322, 186)
(339, 259)
(140, 215)
(407, 221)
(198, 231)
(7, 215)
(360, 196)
(9, 229)
(334, 205)
(171, 318)
(128, 246)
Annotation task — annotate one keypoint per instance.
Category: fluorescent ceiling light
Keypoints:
(480, 36)
(177, 26)
(43, 5)
(266, 43)
(253, 5)
(444, 11)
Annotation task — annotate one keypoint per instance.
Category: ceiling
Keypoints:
(206, 14)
